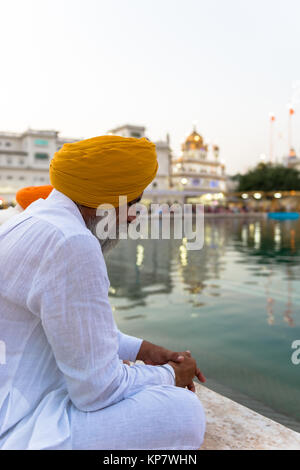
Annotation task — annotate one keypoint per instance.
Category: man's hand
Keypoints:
(186, 371)
(198, 373)
(156, 355)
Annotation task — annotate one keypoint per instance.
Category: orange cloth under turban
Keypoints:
(99, 170)
(26, 196)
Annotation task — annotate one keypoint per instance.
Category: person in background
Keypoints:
(24, 198)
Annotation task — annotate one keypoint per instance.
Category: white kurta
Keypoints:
(63, 350)
(6, 214)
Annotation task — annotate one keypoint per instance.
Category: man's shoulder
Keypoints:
(70, 236)
(80, 252)
(75, 249)
(62, 216)
(63, 230)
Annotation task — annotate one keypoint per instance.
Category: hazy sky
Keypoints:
(85, 66)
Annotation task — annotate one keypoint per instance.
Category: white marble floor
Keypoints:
(231, 426)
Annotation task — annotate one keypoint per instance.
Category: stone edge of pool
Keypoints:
(231, 426)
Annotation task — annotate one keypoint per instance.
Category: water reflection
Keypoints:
(137, 269)
(274, 245)
(246, 252)
(235, 303)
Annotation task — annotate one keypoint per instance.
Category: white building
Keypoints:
(292, 161)
(198, 174)
(24, 159)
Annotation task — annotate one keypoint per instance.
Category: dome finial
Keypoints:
(193, 141)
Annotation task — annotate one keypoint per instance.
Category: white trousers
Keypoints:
(157, 417)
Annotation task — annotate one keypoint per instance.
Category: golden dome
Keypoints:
(193, 141)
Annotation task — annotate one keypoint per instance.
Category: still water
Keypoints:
(235, 304)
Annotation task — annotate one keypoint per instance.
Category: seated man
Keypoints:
(64, 384)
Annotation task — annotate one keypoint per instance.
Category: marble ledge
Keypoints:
(231, 426)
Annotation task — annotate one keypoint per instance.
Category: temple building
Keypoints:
(197, 176)
(198, 173)
(292, 161)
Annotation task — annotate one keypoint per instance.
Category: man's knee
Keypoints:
(188, 415)
(192, 416)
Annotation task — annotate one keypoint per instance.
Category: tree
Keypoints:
(269, 177)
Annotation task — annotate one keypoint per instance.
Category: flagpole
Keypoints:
(272, 120)
(290, 142)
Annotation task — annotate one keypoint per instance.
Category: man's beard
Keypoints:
(106, 242)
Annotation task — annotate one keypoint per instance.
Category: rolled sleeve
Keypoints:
(129, 346)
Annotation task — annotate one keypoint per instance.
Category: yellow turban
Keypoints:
(99, 170)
